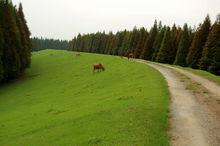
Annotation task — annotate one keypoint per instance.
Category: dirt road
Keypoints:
(194, 109)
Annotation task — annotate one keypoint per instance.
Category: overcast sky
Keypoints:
(64, 19)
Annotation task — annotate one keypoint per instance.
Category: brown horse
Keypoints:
(130, 55)
(98, 67)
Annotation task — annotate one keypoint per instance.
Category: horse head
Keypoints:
(101, 67)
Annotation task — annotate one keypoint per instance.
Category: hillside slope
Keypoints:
(60, 101)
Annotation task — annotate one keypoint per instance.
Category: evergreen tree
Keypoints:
(72, 44)
(42, 43)
(24, 47)
(25, 37)
(1, 54)
(134, 39)
(175, 37)
(158, 41)
(78, 42)
(215, 66)
(109, 43)
(210, 46)
(121, 48)
(164, 52)
(141, 42)
(124, 49)
(160, 26)
(195, 51)
(183, 47)
(15, 42)
(12, 45)
(148, 48)
(119, 39)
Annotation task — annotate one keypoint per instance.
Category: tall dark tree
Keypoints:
(175, 35)
(124, 49)
(42, 43)
(164, 52)
(215, 66)
(25, 37)
(183, 47)
(12, 45)
(134, 39)
(195, 51)
(148, 51)
(157, 43)
(110, 43)
(210, 46)
(142, 39)
(24, 44)
(1, 54)
(119, 40)
(72, 44)
(14, 41)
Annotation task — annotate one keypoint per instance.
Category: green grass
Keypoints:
(203, 73)
(61, 102)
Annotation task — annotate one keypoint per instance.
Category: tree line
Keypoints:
(44, 43)
(15, 43)
(197, 48)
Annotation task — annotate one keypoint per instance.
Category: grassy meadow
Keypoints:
(61, 102)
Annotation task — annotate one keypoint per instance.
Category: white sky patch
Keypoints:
(64, 19)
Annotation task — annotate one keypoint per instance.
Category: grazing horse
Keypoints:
(130, 55)
(98, 67)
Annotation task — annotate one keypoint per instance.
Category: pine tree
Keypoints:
(134, 39)
(24, 47)
(109, 43)
(1, 54)
(175, 35)
(157, 43)
(124, 49)
(164, 52)
(41, 44)
(11, 46)
(148, 51)
(183, 47)
(72, 44)
(140, 44)
(78, 42)
(121, 42)
(210, 46)
(119, 39)
(160, 26)
(215, 66)
(196, 48)
(25, 37)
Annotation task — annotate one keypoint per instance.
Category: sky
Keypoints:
(64, 19)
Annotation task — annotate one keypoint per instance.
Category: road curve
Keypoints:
(194, 112)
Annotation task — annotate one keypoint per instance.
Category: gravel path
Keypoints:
(194, 108)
